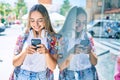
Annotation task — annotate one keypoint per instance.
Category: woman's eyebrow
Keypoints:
(41, 18)
(31, 18)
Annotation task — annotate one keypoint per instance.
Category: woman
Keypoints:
(36, 61)
(78, 61)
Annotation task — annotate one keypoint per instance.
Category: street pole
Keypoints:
(102, 11)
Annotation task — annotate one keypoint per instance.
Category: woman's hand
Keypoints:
(82, 49)
(78, 49)
(88, 49)
(30, 49)
(42, 49)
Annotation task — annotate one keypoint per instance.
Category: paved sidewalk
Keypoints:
(100, 49)
(106, 62)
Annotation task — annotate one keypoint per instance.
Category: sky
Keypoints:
(29, 2)
(73, 2)
(81, 3)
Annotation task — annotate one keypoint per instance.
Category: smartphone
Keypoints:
(84, 42)
(35, 42)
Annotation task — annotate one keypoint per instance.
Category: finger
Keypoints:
(28, 49)
(42, 50)
(39, 51)
(41, 45)
(33, 47)
(33, 50)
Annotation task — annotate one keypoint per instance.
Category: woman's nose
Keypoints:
(36, 23)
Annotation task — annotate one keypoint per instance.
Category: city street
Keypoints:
(7, 41)
(106, 49)
(107, 59)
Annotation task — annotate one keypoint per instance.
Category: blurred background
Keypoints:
(103, 24)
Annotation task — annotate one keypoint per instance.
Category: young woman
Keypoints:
(79, 59)
(35, 51)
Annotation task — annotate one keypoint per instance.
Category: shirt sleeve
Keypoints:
(53, 44)
(91, 42)
(18, 45)
(20, 42)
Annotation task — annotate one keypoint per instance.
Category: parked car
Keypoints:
(104, 28)
(2, 27)
(6, 24)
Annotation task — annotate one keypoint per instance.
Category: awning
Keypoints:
(56, 17)
(25, 16)
(111, 11)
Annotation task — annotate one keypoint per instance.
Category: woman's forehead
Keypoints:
(36, 14)
(81, 16)
(81, 19)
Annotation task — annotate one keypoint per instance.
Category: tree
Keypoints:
(65, 7)
(5, 9)
(2, 9)
(20, 8)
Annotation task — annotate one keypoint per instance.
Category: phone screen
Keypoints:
(35, 42)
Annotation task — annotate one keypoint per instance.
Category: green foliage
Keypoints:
(1, 8)
(2, 20)
(5, 9)
(65, 7)
(20, 8)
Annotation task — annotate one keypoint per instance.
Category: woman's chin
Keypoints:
(37, 30)
(78, 31)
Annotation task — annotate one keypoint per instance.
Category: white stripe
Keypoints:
(109, 44)
(97, 44)
(115, 42)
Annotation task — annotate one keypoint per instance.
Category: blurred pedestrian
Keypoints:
(117, 69)
(78, 58)
(34, 55)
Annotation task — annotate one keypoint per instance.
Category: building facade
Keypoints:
(45, 1)
(103, 9)
(96, 9)
(50, 6)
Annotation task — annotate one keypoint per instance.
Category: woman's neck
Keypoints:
(36, 34)
(78, 34)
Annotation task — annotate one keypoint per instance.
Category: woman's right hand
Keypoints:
(18, 59)
(30, 49)
(78, 49)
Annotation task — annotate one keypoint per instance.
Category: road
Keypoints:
(106, 49)
(7, 41)
(107, 60)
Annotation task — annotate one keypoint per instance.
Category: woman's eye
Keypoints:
(31, 20)
(40, 20)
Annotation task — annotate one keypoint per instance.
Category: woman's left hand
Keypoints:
(42, 49)
(88, 50)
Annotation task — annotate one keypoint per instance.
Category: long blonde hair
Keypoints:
(40, 8)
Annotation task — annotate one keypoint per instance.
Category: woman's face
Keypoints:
(80, 22)
(37, 21)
